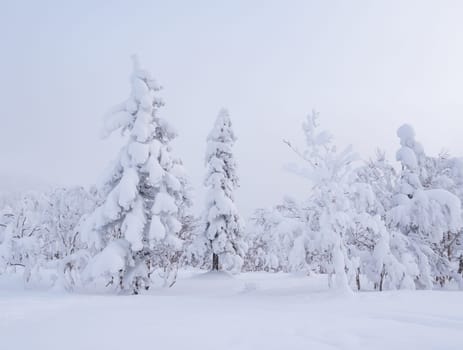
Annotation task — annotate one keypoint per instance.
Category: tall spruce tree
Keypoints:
(135, 230)
(224, 226)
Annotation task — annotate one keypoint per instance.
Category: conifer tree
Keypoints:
(135, 230)
(223, 224)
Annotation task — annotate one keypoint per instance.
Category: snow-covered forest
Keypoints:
(231, 175)
(384, 224)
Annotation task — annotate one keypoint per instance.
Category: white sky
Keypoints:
(367, 66)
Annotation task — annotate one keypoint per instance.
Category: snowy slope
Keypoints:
(252, 311)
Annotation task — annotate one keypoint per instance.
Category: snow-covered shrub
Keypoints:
(39, 235)
(430, 217)
(276, 240)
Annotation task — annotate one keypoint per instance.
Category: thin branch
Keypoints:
(22, 265)
(298, 153)
(35, 229)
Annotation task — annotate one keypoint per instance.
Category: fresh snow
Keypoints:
(73, 259)
(217, 311)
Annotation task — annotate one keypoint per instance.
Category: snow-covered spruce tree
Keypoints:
(223, 228)
(429, 217)
(135, 231)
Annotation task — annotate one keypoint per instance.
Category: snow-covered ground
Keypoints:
(250, 311)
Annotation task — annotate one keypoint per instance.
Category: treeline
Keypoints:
(365, 225)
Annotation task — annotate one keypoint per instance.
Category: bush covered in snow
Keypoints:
(372, 226)
(40, 236)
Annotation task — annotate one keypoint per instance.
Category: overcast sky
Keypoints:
(367, 66)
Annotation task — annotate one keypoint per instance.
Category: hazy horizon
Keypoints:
(366, 67)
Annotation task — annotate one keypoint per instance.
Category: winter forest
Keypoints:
(231, 175)
(367, 226)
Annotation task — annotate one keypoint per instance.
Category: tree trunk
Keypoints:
(449, 249)
(357, 279)
(383, 273)
(215, 262)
